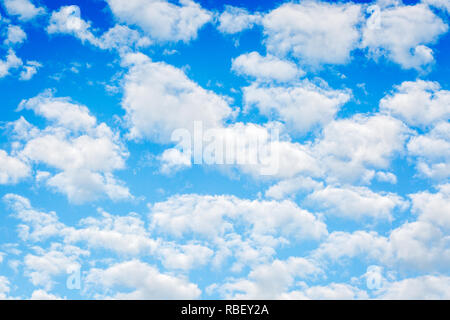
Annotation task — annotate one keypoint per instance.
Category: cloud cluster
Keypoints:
(159, 98)
(24, 9)
(313, 32)
(162, 20)
(67, 20)
(233, 20)
(318, 33)
(83, 153)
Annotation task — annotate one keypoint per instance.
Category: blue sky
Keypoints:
(99, 200)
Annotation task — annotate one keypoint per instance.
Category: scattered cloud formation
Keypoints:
(174, 149)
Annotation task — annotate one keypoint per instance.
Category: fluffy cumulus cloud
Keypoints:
(12, 64)
(184, 214)
(11, 61)
(419, 103)
(233, 20)
(159, 98)
(270, 281)
(162, 20)
(424, 105)
(44, 295)
(29, 70)
(83, 152)
(68, 20)
(285, 280)
(302, 106)
(120, 234)
(430, 151)
(424, 287)
(313, 32)
(402, 33)
(24, 9)
(176, 216)
(357, 202)
(12, 169)
(15, 35)
(420, 245)
(145, 282)
(215, 220)
(352, 149)
(45, 264)
(265, 68)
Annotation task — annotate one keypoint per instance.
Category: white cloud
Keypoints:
(433, 207)
(212, 216)
(234, 20)
(44, 295)
(160, 98)
(421, 245)
(25, 9)
(418, 103)
(37, 226)
(4, 287)
(290, 187)
(239, 231)
(386, 177)
(61, 111)
(173, 160)
(82, 186)
(125, 235)
(349, 149)
(11, 62)
(120, 37)
(340, 245)
(270, 281)
(332, 291)
(162, 20)
(59, 259)
(185, 257)
(401, 34)
(145, 281)
(279, 280)
(30, 69)
(428, 287)
(265, 68)
(314, 32)
(357, 202)
(12, 169)
(253, 149)
(68, 21)
(85, 153)
(432, 152)
(302, 106)
(15, 35)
